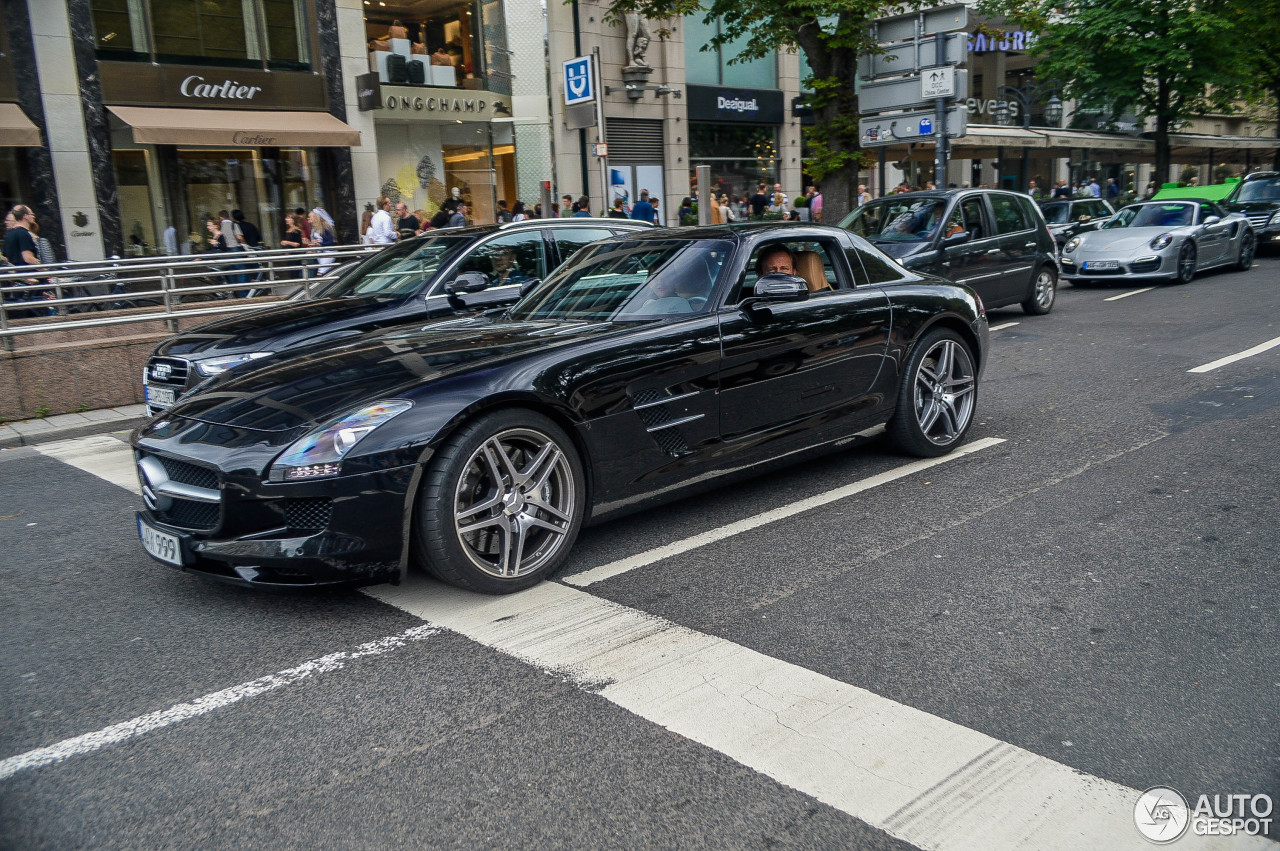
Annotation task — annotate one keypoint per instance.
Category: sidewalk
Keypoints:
(64, 426)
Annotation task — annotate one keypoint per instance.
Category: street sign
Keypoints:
(938, 83)
(901, 58)
(909, 127)
(599, 149)
(579, 87)
(944, 19)
(905, 92)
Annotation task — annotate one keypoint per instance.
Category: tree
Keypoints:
(1170, 60)
(1258, 25)
(831, 34)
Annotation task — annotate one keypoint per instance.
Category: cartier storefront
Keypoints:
(190, 141)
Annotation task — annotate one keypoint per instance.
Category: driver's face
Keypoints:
(777, 264)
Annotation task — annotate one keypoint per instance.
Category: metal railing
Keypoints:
(118, 291)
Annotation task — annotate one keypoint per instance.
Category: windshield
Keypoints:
(1260, 190)
(630, 279)
(399, 269)
(897, 219)
(1057, 214)
(1154, 216)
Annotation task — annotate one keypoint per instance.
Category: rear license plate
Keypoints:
(160, 397)
(162, 545)
(1102, 264)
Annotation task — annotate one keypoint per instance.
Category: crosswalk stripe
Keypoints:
(100, 454)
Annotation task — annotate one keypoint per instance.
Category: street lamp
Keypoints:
(1024, 97)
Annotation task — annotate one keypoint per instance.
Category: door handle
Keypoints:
(994, 251)
(1029, 245)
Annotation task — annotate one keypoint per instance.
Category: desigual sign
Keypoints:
(442, 104)
(708, 103)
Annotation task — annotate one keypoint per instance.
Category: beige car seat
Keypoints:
(809, 266)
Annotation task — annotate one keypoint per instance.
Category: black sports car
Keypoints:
(476, 448)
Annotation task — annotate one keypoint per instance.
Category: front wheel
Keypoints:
(1186, 264)
(1248, 247)
(501, 503)
(937, 396)
(1043, 293)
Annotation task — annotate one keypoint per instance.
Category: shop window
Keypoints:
(711, 67)
(446, 38)
(222, 32)
(120, 29)
(134, 191)
(287, 34)
(741, 156)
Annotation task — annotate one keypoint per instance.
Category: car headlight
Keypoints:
(1161, 241)
(213, 366)
(320, 453)
(1275, 218)
(1072, 244)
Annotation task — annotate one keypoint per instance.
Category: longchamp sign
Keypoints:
(442, 104)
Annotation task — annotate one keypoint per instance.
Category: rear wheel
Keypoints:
(1248, 247)
(937, 396)
(1043, 292)
(1186, 269)
(501, 503)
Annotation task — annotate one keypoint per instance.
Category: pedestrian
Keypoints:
(1061, 190)
(582, 207)
(717, 212)
(863, 195)
(657, 217)
(21, 248)
(366, 222)
(503, 214)
(617, 212)
(1033, 190)
(1094, 189)
(686, 209)
(459, 217)
(322, 234)
(304, 221)
(779, 198)
(517, 212)
(171, 240)
(537, 210)
(293, 237)
(759, 202)
(1113, 190)
(726, 206)
(252, 236)
(407, 223)
(566, 206)
(381, 230)
(642, 210)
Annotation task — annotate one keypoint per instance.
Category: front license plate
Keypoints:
(160, 397)
(1102, 264)
(162, 545)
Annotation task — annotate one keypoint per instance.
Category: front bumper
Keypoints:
(364, 538)
(1144, 267)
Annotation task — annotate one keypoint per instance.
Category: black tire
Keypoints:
(925, 422)
(1044, 291)
(474, 512)
(1186, 264)
(1248, 247)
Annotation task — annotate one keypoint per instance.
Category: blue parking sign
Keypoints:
(578, 87)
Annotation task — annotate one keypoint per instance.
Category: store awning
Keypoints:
(1189, 144)
(242, 128)
(16, 130)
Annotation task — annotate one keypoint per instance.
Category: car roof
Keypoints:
(529, 224)
(741, 231)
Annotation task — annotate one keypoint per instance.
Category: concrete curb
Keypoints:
(68, 426)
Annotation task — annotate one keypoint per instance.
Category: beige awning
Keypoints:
(16, 130)
(242, 128)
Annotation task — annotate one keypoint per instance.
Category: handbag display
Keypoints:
(397, 69)
(417, 73)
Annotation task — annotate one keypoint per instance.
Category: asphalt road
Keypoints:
(1101, 590)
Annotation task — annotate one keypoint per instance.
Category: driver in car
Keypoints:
(505, 270)
(776, 260)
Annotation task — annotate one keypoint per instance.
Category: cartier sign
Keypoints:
(442, 104)
(196, 87)
(144, 84)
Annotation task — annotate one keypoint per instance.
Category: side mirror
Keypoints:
(781, 288)
(1212, 220)
(529, 286)
(956, 239)
(468, 282)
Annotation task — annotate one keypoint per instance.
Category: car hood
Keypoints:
(314, 385)
(273, 328)
(1122, 241)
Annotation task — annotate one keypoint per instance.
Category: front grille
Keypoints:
(178, 368)
(190, 514)
(189, 474)
(1147, 266)
(308, 513)
(1259, 220)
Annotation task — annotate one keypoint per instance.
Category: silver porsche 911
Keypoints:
(1160, 240)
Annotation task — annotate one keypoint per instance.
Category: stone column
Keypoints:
(338, 160)
(87, 220)
(531, 124)
(365, 176)
(789, 147)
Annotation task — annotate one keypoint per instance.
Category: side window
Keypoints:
(511, 259)
(973, 219)
(1008, 216)
(1028, 211)
(872, 267)
(814, 261)
(573, 240)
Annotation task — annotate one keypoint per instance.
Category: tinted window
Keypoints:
(1009, 218)
(1057, 214)
(1028, 211)
(897, 219)
(511, 259)
(400, 269)
(871, 267)
(573, 240)
(812, 260)
(1154, 216)
(973, 218)
(1265, 189)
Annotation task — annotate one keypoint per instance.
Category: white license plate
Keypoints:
(160, 397)
(162, 545)
(1102, 264)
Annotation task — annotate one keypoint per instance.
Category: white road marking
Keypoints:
(1247, 353)
(614, 568)
(151, 722)
(1131, 292)
(1004, 326)
(102, 455)
(921, 778)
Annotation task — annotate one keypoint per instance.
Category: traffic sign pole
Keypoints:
(605, 201)
(940, 127)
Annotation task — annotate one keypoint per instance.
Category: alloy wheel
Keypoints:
(1186, 263)
(514, 503)
(1045, 289)
(944, 392)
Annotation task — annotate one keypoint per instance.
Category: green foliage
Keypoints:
(43, 411)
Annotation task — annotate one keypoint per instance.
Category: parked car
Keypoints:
(1070, 217)
(655, 362)
(445, 273)
(994, 241)
(1257, 197)
(1161, 240)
